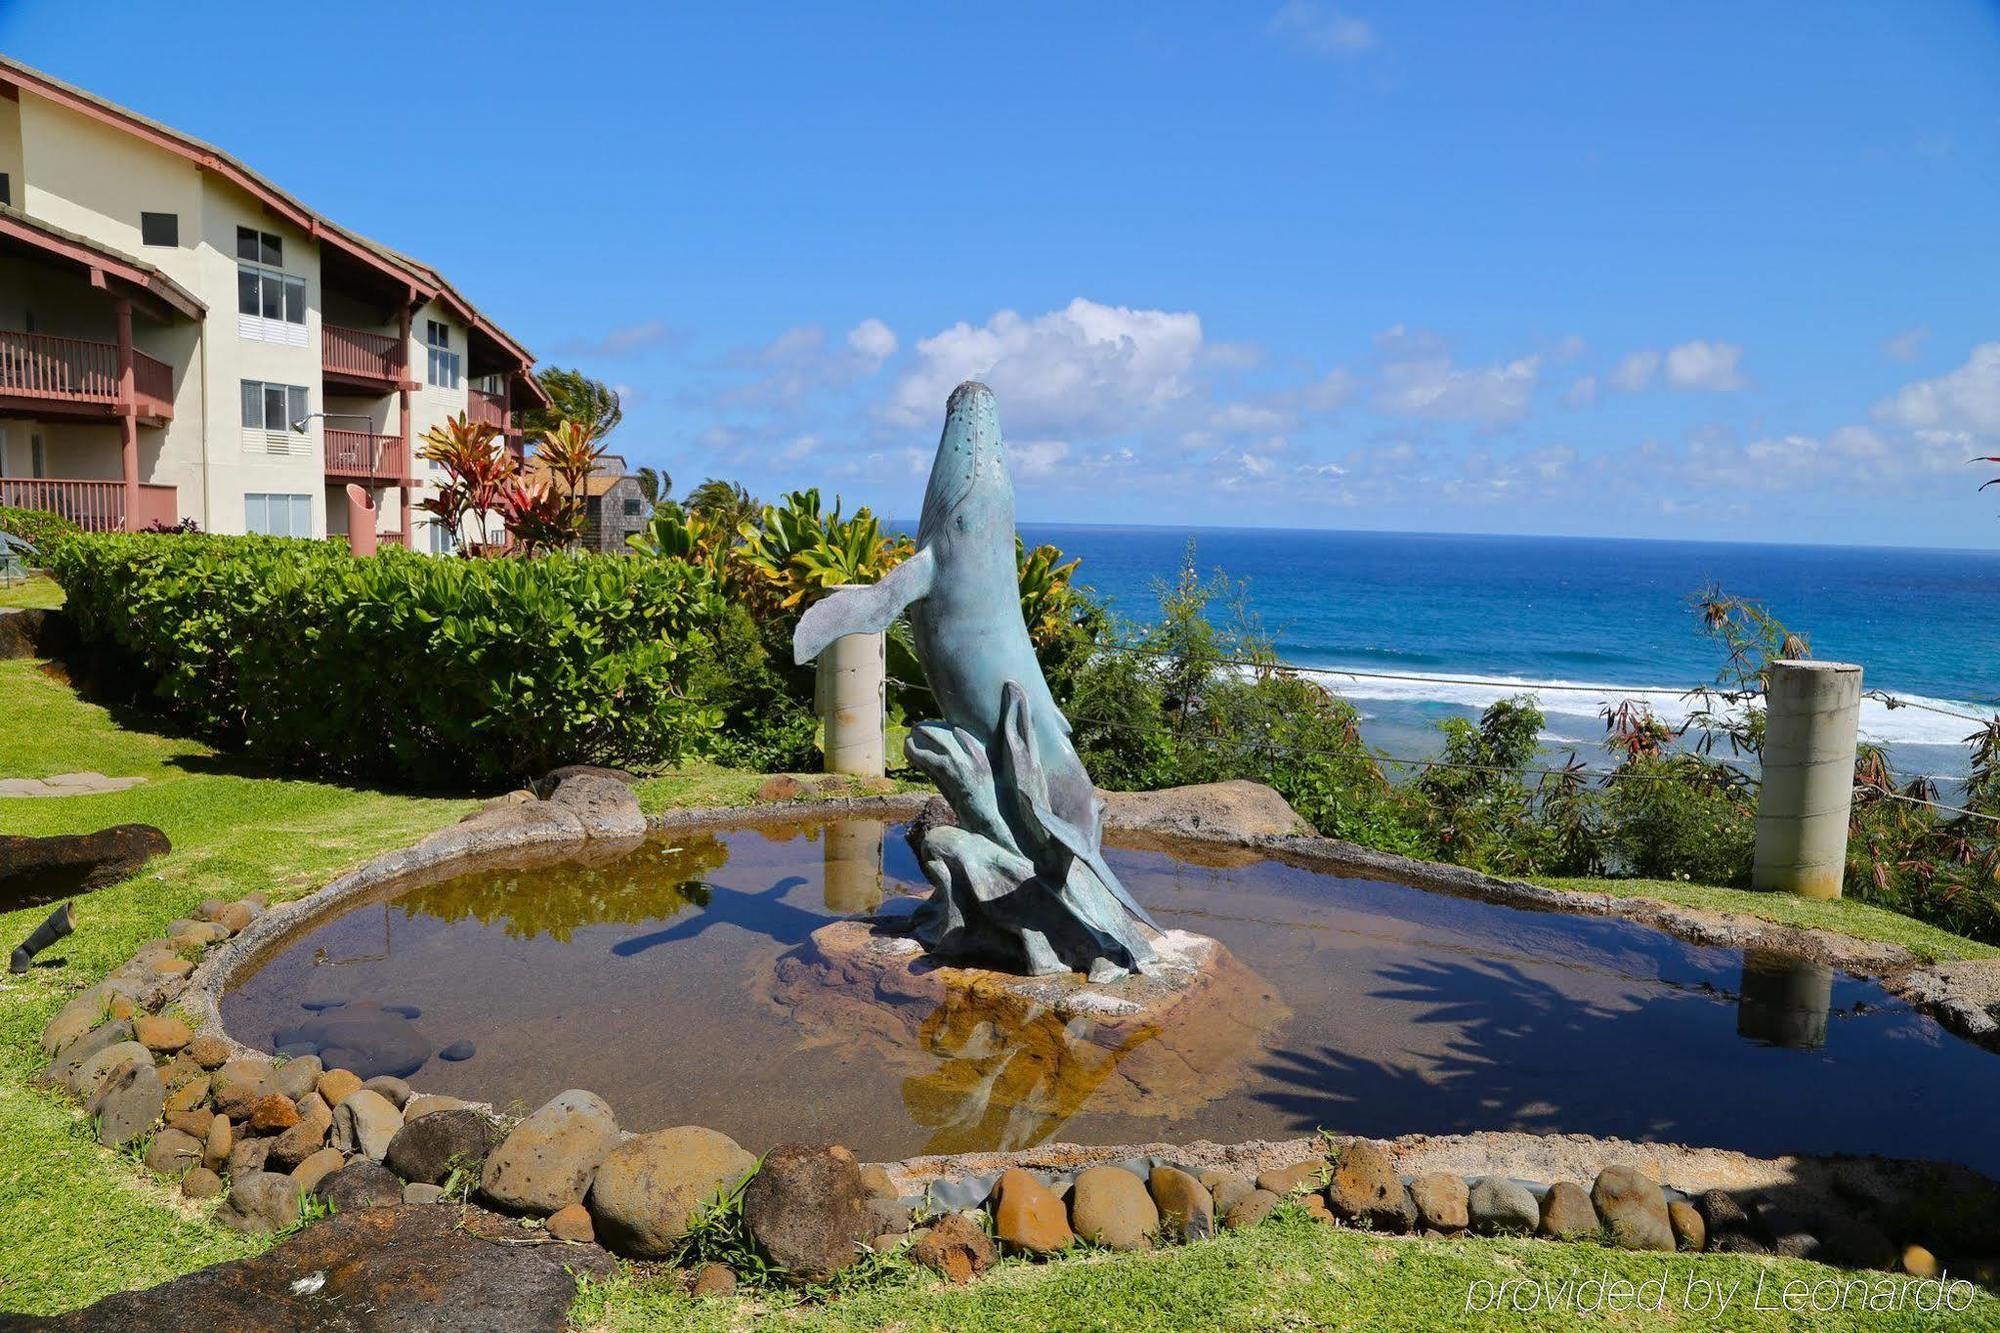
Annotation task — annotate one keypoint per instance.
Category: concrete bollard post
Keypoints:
(1813, 714)
(852, 706)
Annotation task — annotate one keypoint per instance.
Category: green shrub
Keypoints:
(1676, 818)
(403, 667)
(41, 531)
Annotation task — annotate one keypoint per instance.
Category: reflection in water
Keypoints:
(655, 974)
(599, 883)
(1010, 1072)
(853, 866)
(1784, 1001)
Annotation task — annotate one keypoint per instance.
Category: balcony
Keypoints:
(94, 506)
(487, 409)
(365, 360)
(79, 377)
(354, 455)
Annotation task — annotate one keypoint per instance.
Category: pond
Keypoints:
(665, 976)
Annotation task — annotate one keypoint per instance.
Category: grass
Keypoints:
(1844, 916)
(78, 1222)
(40, 590)
(1290, 1273)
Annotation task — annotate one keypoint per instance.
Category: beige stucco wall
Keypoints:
(84, 176)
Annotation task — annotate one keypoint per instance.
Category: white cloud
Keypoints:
(1325, 30)
(1087, 368)
(1635, 371)
(1582, 393)
(1696, 365)
(1704, 365)
(622, 341)
(1033, 460)
(873, 341)
(1965, 402)
(1908, 345)
(1420, 381)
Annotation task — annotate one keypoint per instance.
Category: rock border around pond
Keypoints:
(145, 1052)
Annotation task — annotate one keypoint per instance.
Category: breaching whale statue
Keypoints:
(1021, 883)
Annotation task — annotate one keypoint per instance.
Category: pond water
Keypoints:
(655, 975)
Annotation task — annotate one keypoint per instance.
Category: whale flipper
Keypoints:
(869, 610)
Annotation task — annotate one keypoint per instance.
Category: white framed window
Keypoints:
(268, 413)
(270, 303)
(276, 515)
(443, 542)
(260, 247)
(445, 366)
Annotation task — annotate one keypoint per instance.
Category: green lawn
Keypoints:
(78, 1222)
(1845, 916)
(39, 590)
(1290, 1273)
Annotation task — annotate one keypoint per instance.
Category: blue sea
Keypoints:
(1464, 620)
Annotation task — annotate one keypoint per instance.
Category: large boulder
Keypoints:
(548, 1160)
(383, 1270)
(648, 1190)
(808, 1209)
(1442, 1202)
(1502, 1207)
(1367, 1191)
(360, 1184)
(364, 1038)
(1235, 810)
(1633, 1210)
(1110, 1206)
(1184, 1202)
(41, 870)
(1567, 1213)
(425, 1150)
(604, 805)
(261, 1202)
(128, 1103)
(366, 1123)
(1028, 1217)
(956, 1247)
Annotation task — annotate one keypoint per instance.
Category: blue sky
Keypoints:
(1693, 270)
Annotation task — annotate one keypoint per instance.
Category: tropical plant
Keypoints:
(653, 484)
(574, 396)
(570, 453)
(539, 517)
(477, 469)
(724, 503)
(800, 552)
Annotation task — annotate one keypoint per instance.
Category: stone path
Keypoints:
(65, 784)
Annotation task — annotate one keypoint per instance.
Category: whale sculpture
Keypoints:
(1021, 883)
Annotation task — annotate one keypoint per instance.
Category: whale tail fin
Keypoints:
(1018, 735)
(869, 610)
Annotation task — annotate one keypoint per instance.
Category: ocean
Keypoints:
(1460, 621)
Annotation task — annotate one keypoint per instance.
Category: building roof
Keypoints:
(138, 273)
(421, 277)
(610, 471)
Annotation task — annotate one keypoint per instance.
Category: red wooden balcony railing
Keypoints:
(490, 408)
(95, 506)
(377, 356)
(355, 453)
(81, 370)
(153, 379)
(71, 369)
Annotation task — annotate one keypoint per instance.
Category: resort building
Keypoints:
(181, 339)
(614, 505)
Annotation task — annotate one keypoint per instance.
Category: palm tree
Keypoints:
(724, 503)
(653, 485)
(575, 397)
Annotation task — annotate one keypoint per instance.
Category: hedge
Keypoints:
(438, 672)
(36, 528)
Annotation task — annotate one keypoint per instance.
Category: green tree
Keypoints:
(574, 396)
